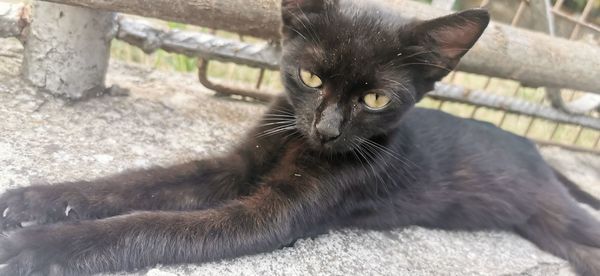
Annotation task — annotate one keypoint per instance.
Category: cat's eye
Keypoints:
(376, 101)
(309, 79)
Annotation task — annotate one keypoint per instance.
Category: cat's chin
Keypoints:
(336, 146)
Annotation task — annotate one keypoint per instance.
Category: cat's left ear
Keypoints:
(295, 14)
(450, 37)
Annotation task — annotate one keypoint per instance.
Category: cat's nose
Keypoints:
(327, 132)
(328, 127)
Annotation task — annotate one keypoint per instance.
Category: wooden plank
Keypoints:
(260, 18)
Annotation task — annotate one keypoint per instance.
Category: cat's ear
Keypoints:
(294, 13)
(304, 5)
(450, 38)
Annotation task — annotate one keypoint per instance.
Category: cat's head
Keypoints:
(351, 69)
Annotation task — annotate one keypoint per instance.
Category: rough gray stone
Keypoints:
(68, 49)
(169, 118)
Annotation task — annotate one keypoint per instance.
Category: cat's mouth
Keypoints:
(330, 146)
(335, 143)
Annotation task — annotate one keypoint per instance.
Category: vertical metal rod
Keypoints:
(529, 126)
(487, 83)
(519, 13)
(550, 18)
(453, 76)
(441, 104)
(475, 109)
(582, 18)
(261, 76)
(554, 131)
(503, 120)
(558, 4)
(506, 113)
(578, 136)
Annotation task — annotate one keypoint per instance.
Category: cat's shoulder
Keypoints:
(435, 125)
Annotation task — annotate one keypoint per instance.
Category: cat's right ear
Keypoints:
(449, 38)
(295, 14)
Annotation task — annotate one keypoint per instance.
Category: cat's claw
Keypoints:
(68, 210)
(28, 223)
(34, 205)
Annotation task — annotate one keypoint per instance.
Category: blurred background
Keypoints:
(577, 20)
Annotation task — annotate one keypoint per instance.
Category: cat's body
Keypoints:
(343, 148)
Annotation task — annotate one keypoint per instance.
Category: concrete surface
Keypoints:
(169, 118)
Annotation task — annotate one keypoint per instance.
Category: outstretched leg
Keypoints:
(192, 186)
(569, 232)
(280, 211)
(183, 187)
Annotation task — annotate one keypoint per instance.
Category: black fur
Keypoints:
(389, 168)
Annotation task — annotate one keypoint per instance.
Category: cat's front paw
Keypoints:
(30, 252)
(74, 248)
(28, 206)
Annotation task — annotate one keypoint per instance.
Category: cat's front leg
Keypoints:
(191, 186)
(184, 187)
(273, 216)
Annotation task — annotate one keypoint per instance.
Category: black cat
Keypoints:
(343, 148)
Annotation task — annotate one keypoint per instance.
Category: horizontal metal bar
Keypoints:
(568, 147)
(444, 91)
(229, 90)
(150, 39)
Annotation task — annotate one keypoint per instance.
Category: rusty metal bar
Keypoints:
(228, 90)
(150, 39)
(444, 91)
